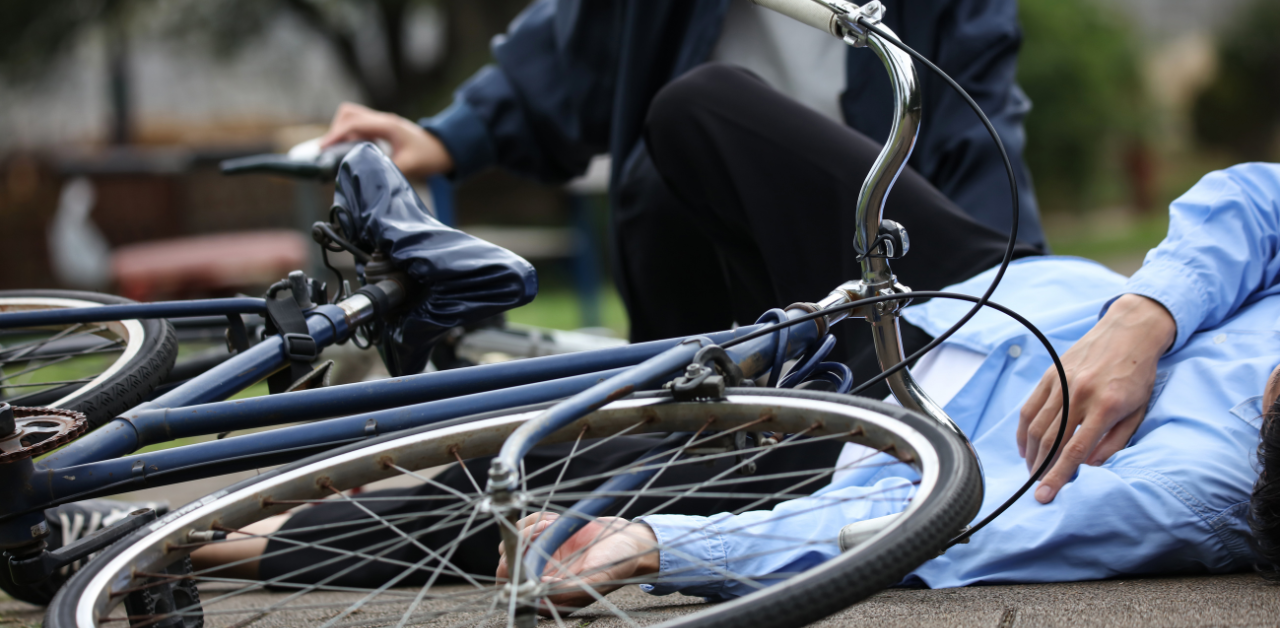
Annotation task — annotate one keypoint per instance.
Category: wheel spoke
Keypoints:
(110, 346)
(59, 383)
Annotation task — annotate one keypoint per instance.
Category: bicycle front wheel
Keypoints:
(406, 556)
(100, 369)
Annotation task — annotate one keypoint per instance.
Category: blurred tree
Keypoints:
(33, 33)
(379, 42)
(1240, 109)
(1079, 66)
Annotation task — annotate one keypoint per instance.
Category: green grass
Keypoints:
(557, 307)
(1104, 238)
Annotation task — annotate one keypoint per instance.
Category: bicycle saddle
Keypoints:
(461, 278)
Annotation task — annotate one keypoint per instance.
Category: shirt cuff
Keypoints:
(1166, 284)
(692, 556)
(465, 136)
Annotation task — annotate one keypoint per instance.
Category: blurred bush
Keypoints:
(382, 44)
(1239, 111)
(1079, 65)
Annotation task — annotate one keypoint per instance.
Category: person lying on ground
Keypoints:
(1176, 369)
(1179, 496)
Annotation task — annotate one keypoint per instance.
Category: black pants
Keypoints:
(746, 204)
(330, 524)
(745, 201)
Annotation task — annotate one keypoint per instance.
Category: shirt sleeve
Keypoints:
(1149, 525)
(1220, 251)
(727, 556)
(1108, 522)
(543, 109)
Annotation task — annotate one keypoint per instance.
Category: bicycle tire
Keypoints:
(948, 496)
(150, 351)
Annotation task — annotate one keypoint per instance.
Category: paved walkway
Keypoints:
(1235, 601)
(1243, 600)
(1228, 601)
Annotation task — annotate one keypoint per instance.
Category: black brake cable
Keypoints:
(979, 302)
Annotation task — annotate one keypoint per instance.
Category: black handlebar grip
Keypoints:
(277, 164)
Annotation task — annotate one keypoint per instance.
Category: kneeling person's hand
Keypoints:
(417, 153)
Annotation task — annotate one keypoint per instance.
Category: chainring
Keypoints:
(40, 430)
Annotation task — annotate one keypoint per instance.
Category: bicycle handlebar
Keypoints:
(817, 15)
(278, 164)
(846, 20)
(308, 163)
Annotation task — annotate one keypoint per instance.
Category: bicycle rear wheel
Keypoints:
(100, 369)
(441, 585)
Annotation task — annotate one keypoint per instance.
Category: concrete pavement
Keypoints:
(1235, 601)
(1241, 600)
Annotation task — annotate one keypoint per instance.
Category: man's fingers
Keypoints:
(1041, 395)
(1041, 432)
(536, 518)
(1074, 452)
(530, 527)
(359, 129)
(1044, 391)
(1044, 444)
(1117, 438)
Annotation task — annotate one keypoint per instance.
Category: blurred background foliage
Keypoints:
(399, 67)
(1239, 111)
(1079, 65)
(1128, 111)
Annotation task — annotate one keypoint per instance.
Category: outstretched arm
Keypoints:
(417, 153)
(542, 109)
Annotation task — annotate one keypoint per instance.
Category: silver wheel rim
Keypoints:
(130, 332)
(364, 465)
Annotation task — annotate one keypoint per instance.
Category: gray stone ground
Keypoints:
(1236, 601)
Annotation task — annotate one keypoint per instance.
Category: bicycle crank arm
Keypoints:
(33, 569)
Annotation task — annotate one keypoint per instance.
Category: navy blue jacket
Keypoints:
(574, 78)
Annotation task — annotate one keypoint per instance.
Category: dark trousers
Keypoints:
(745, 201)
(327, 526)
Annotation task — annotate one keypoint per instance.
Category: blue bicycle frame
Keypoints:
(100, 463)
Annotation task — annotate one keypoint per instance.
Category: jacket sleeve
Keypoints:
(1221, 250)
(543, 109)
(976, 42)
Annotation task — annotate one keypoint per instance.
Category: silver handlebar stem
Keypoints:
(893, 157)
(876, 274)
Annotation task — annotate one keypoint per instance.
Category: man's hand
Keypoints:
(606, 551)
(1110, 371)
(416, 153)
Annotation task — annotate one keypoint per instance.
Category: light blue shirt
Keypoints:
(1173, 501)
